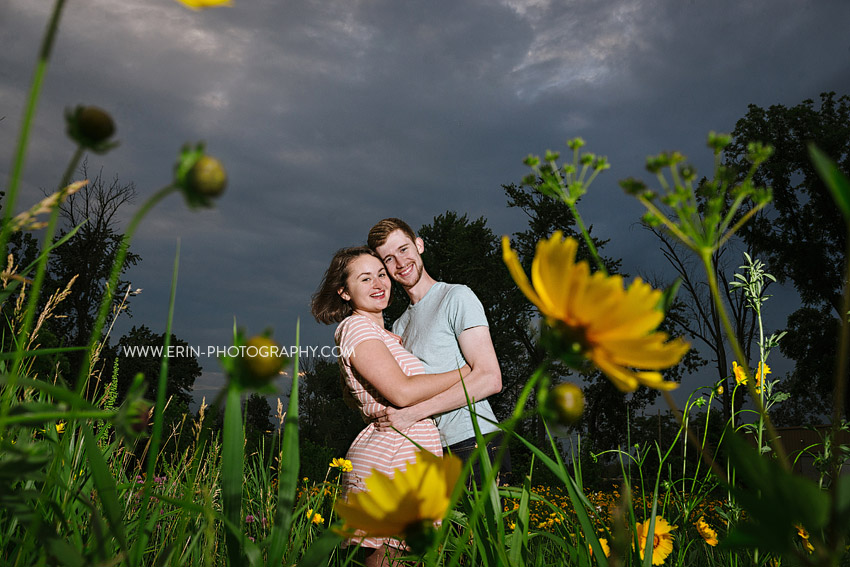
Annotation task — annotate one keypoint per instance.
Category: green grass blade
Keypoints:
(287, 474)
(232, 457)
(837, 183)
(106, 487)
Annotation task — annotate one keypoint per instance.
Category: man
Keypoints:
(444, 326)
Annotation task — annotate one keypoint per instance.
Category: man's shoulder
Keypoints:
(456, 292)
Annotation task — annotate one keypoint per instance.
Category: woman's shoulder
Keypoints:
(358, 328)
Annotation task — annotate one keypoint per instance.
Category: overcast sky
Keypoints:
(330, 115)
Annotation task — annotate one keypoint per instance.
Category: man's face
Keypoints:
(401, 256)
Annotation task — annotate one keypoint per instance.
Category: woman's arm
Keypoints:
(374, 361)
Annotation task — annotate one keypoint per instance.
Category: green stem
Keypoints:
(29, 116)
(587, 239)
(705, 257)
(117, 266)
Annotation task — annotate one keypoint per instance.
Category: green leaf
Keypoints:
(837, 182)
(232, 457)
(775, 501)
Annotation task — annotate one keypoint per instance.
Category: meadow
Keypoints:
(85, 480)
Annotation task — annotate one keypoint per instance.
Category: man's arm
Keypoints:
(485, 379)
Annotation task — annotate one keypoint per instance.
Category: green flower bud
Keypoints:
(566, 401)
(91, 127)
(208, 177)
(200, 177)
(262, 361)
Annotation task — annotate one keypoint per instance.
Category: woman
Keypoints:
(376, 371)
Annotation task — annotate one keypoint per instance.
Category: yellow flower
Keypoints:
(201, 4)
(662, 539)
(615, 327)
(404, 503)
(342, 464)
(60, 427)
(804, 535)
(315, 518)
(606, 549)
(708, 534)
(741, 377)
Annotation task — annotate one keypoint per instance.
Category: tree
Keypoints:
(802, 235)
(137, 352)
(90, 253)
(325, 418)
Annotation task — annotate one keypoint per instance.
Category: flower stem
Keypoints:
(29, 116)
(113, 281)
(587, 239)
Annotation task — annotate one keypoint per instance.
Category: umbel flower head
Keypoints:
(662, 539)
(613, 327)
(406, 505)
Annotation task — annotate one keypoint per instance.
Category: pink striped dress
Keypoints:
(384, 451)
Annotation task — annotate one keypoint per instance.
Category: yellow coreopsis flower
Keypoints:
(707, 533)
(804, 535)
(342, 464)
(201, 4)
(606, 549)
(615, 327)
(403, 504)
(662, 539)
(315, 518)
(741, 376)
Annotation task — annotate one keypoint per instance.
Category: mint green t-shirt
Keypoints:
(429, 329)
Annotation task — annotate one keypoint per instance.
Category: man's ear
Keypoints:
(343, 294)
(420, 245)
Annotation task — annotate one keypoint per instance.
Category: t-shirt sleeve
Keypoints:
(464, 310)
(354, 331)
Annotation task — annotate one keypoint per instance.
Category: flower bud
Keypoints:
(208, 177)
(262, 361)
(91, 127)
(566, 401)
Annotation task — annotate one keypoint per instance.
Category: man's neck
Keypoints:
(417, 292)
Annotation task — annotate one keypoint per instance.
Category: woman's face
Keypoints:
(368, 285)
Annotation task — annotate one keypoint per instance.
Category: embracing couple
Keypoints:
(407, 380)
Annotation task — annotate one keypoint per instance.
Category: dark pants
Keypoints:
(464, 450)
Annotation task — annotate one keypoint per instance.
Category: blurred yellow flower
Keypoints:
(402, 504)
(708, 534)
(804, 535)
(615, 327)
(606, 549)
(342, 464)
(315, 518)
(201, 4)
(60, 427)
(662, 539)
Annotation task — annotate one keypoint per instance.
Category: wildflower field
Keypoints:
(86, 480)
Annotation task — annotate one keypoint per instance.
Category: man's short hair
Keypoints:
(381, 231)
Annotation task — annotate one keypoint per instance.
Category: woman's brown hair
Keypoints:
(327, 306)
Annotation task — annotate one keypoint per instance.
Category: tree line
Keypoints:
(801, 239)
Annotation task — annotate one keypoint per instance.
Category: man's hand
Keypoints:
(399, 418)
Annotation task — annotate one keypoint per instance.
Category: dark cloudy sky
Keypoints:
(333, 114)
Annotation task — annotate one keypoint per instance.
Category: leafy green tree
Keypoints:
(136, 354)
(801, 236)
(325, 418)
